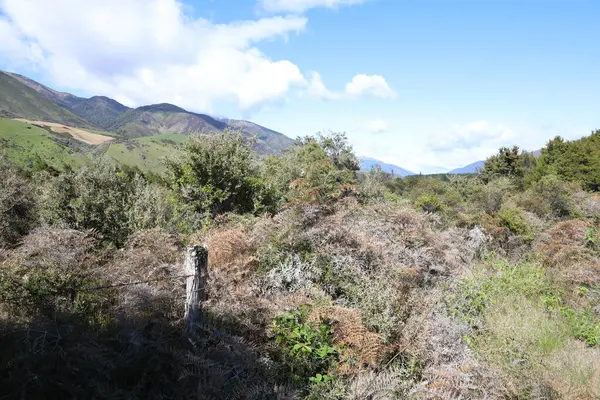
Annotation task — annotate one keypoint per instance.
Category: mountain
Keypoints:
(267, 138)
(367, 163)
(100, 110)
(21, 100)
(469, 169)
(23, 97)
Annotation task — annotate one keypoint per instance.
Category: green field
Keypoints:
(146, 153)
(20, 142)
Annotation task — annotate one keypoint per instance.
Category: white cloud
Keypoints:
(318, 90)
(299, 6)
(361, 84)
(471, 134)
(375, 126)
(147, 51)
(372, 84)
(421, 147)
(12, 50)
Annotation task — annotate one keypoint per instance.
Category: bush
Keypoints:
(557, 194)
(491, 196)
(99, 197)
(17, 211)
(429, 203)
(314, 170)
(219, 174)
(372, 185)
(308, 351)
(514, 220)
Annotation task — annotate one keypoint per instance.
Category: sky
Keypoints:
(427, 85)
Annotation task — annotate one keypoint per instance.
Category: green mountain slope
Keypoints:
(21, 100)
(100, 110)
(161, 119)
(24, 97)
(267, 138)
(20, 142)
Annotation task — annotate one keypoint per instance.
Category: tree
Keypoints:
(219, 173)
(509, 162)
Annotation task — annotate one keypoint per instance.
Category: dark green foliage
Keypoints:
(577, 161)
(17, 205)
(219, 174)
(509, 162)
(112, 200)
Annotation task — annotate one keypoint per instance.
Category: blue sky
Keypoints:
(427, 85)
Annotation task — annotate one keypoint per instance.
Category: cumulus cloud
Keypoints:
(299, 6)
(145, 51)
(372, 84)
(360, 84)
(318, 90)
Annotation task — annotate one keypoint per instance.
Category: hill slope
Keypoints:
(366, 163)
(102, 112)
(21, 141)
(21, 100)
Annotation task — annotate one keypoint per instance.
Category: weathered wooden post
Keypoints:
(196, 270)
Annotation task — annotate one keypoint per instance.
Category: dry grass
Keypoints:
(66, 249)
(77, 133)
(563, 248)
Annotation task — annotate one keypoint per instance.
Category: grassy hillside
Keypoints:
(268, 139)
(21, 100)
(20, 142)
(26, 98)
(147, 153)
(148, 121)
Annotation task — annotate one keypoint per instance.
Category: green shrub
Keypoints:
(219, 174)
(315, 170)
(98, 196)
(491, 197)
(307, 351)
(54, 293)
(515, 222)
(557, 194)
(429, 203)
(371, 185)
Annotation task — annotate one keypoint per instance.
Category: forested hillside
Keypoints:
(323, 283)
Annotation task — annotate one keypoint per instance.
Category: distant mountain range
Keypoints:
(26, 98)
(472, 168)
(366, 163)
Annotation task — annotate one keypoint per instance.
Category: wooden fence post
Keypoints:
(196, 269)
